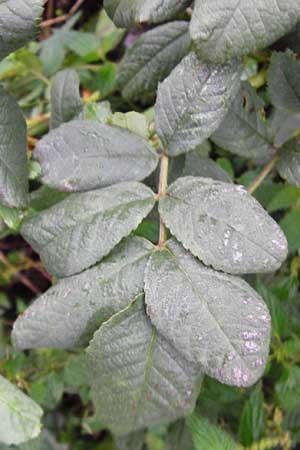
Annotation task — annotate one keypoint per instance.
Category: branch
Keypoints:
(23, 278)
(263, 175)
(162, 190)
(64, 18)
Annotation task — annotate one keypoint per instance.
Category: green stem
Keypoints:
(263, 175)
(162, 190)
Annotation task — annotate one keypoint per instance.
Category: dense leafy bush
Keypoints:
(156, 315)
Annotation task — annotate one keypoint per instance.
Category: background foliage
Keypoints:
(264, 417)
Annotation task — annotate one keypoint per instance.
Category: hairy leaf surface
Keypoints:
(68, 314)
(223, 225)
(83, 155)
(192, 102)
(20, 416)
(66, 103)
(224, 29)
(138, 379)
(151, 58)
(127, 13)
(282, 126)
(284, 82)
(13, 152)
(18, 23)
(213, 319)
(201, 166)
(244, 130)
(79, 231)
(289, 163)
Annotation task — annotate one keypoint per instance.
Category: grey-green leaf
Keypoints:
(127, 13)
(79, 231)
(289, 163)
(13, 153)
(133, 441)
(193, 101)
(20, 416)
(138, 379)
(69, 313)
(213, 319)
(282, 126)
(223, 225)
(151, 58)
(84, 154)
(225, 29)
(244, 130)
(201, 166)
(66, 103)
(284, 82)
(18, 23)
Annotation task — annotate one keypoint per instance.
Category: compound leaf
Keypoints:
(289, 164)
(244, 130)
(195, 307)
(283, 81)
(126, 13)
(225, 29)
(151, 58)
(20, 416)
(79, 231)
(223, 225)
(18, 23)
(192, 102)
(83, 155)
(138, 379)
(66, 103)
(68, 314)
(13, 153)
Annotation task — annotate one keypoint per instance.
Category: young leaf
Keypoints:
(13, 152)
(83, 155)
(192, 102)
(20, 416)
(18, 23)
(126, 13)
(68, 314)
(244, 130)
(134, 441)
(223, 225)
(138, 379)
(207, 436)
(151, 58)
(253, 420)
(283, 81)
(225, 29)
(80, 230)
(66, 103)
(195, 307)
(289, 163)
